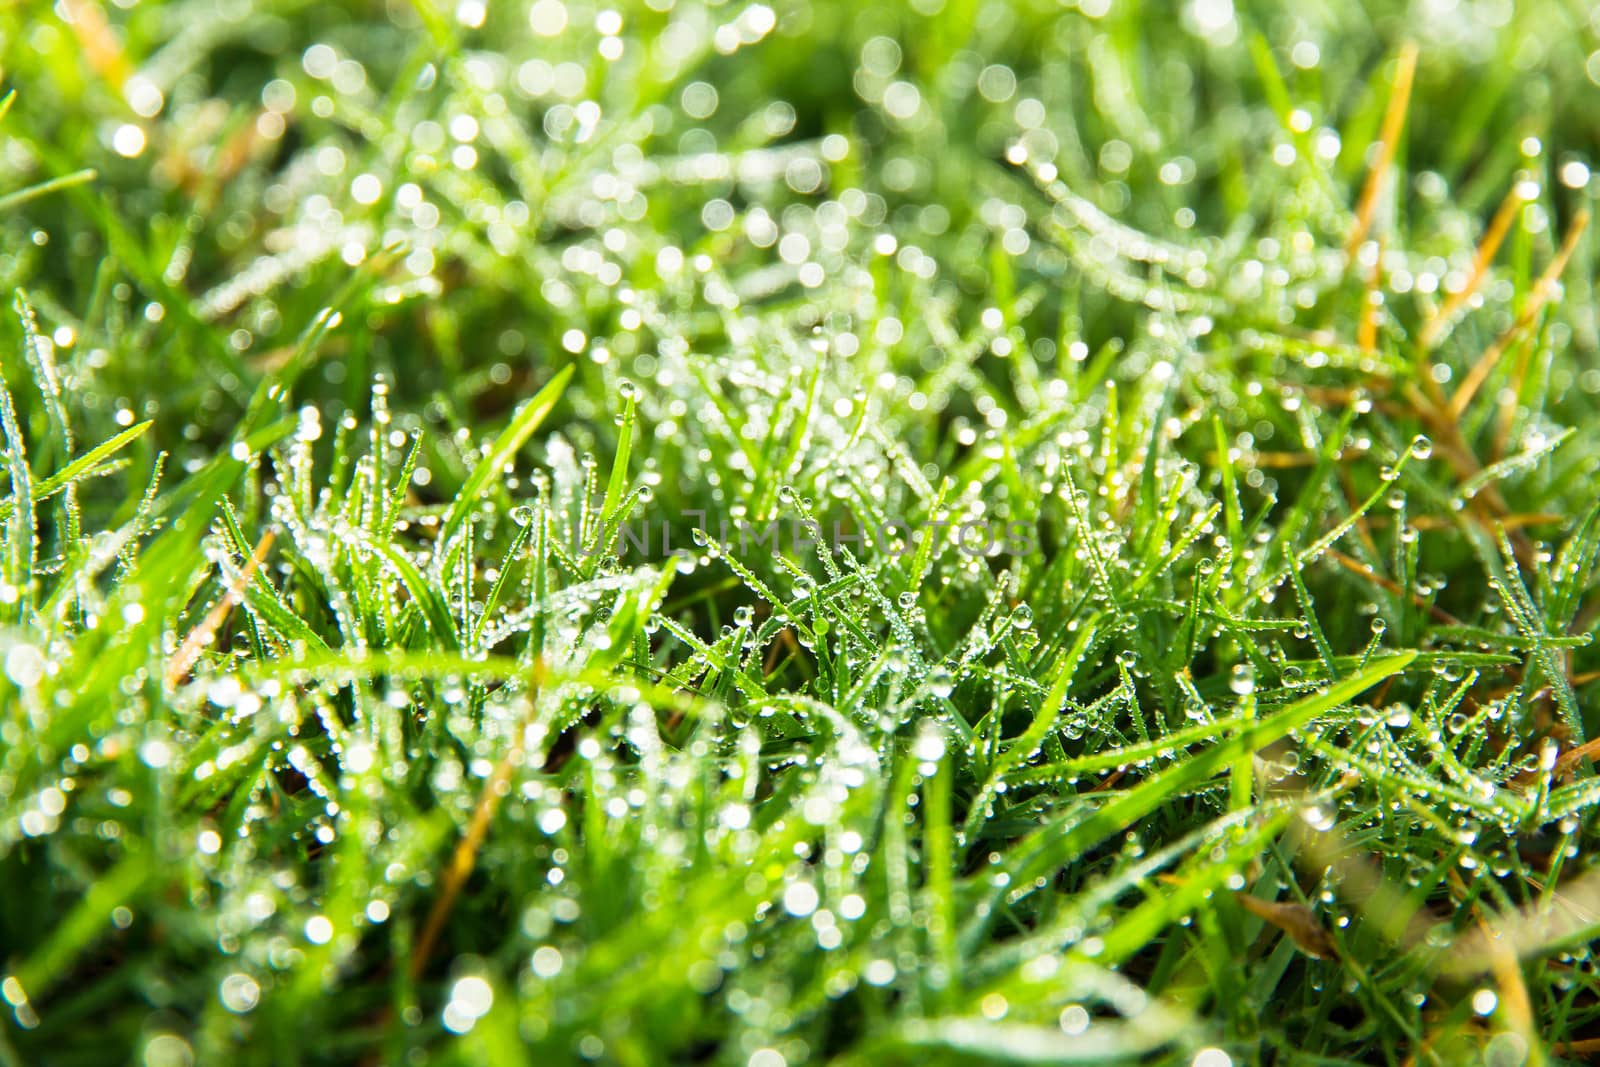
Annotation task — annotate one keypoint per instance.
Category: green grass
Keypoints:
(399, 665)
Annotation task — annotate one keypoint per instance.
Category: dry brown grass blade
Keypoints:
(1451, 522)
(202, 635)
(1514, 1000)
(1272, 460)
(1574, 756)
(785, 640)
(1355, 566)
(1489, 505)
(1542, 291)
(1569, 911)
(222, 161)
(1394, 119)
(1498, 942)
(465, 856)
(1444, 319)
(1589, 1046)
(1510, 522)
(101, 50)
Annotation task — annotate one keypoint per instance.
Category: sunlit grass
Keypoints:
(814, 533)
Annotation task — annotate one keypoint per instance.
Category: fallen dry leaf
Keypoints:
(1295, 920)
